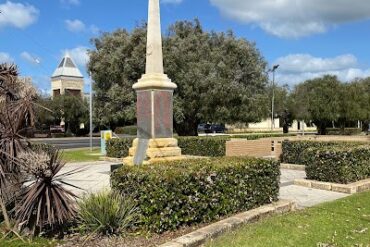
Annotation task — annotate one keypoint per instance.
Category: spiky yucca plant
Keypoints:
(45, 202)
(107, 213)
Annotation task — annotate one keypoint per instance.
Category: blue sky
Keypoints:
(307, 38)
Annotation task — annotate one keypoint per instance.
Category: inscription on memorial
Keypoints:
(144, 114)
(163, 119)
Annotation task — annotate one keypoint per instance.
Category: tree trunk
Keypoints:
(322, 128)
(187, 128)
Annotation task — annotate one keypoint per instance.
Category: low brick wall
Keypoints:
(272, 147)
(255, 148)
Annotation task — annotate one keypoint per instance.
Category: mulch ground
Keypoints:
(151, 240)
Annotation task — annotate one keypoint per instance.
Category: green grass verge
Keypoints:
(81, 155)
(37, 242)
(345, 222)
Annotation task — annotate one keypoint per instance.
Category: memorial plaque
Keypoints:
(144, 114)
(163, 116)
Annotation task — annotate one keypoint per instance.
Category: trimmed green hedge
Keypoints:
(346, 131)
(127, 130)
(188, 192)
(118, 147)
(338, 164)
(292, 151)
(196, 146)
(203, 146)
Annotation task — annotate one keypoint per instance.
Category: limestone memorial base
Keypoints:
(160, 149)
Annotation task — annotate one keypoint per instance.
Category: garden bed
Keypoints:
(190, 192)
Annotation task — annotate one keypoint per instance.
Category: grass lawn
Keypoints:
(345, 222)
(38, 242)
(81, 155)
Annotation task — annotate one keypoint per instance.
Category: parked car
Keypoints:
(216, 128)
(211, 128)
(203, 127)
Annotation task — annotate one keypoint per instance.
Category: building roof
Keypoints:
(67, 67)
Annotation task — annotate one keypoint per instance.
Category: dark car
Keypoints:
(202, 127)
(215, 128)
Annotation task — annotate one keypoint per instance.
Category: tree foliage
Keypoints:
(326, 101)
(71, 109)
(220, 77)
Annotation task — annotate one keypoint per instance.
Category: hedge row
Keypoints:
(338, 164)
(118, 148)
(346, 131)
(127, 130)
(187, 192)
(203, 146)
(197, 146)
(293, 151)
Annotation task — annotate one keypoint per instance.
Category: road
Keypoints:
(70, 143)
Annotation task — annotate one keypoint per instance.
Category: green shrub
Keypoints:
(338, 164)
(118, 147)
(187, 192)
(203, 146)
(127, 130)
(346, 131)
(106, 213)
(194, 145)
(293, 151)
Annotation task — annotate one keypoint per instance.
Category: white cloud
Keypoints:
(75, 26)
(94, 29)
(294, 18)
(79, 55)
(32, 59)
(17, 15)
(172, 1)
(300, 63)
(70, 2)
(296, 68)
(5, 58)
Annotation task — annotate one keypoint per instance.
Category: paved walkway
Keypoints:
(90, 176)
(95, 176)
(304, 197)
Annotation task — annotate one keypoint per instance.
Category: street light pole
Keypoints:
(91, 118)
(273, 97)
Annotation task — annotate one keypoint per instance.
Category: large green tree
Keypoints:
(73, 110)
(318, 100)
(220, 77)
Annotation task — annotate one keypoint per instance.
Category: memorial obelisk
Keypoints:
(154, 91)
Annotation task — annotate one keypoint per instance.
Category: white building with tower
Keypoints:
(67, 79)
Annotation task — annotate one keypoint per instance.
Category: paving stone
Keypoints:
(171, 244)
(283, 206)
(248, 217)
(321, 185)
(303, 182)
(192, 239)
(343, 188)
(291, 175)
(233, 222)
(307, 197)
